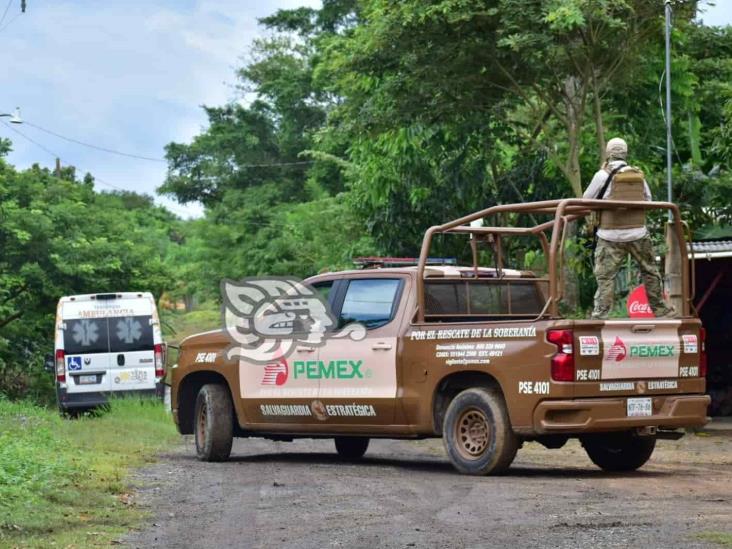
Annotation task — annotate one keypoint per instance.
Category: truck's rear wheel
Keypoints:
(214, 423)
(477, 432)
(619, 451)
(351, 448)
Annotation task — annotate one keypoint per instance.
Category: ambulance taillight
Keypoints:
(60, 366)
(159, 363)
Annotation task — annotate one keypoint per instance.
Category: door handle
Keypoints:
(304, 349)
(380, 346)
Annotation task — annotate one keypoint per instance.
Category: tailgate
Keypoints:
(637, 356)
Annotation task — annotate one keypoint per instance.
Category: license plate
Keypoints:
(638, 407)
(86, 380)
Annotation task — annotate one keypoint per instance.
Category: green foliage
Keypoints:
(62, 481)
(414, 112)
(60, 237)
(251, 234)
(177, 325)
(364, 122)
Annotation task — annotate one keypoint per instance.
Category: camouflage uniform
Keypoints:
(609, 258)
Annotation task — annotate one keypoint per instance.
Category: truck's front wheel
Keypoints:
(618, 451)
(477, 432)
(214, 423)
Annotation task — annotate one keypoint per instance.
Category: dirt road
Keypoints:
(405, 494)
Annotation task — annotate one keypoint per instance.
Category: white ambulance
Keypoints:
(107, 344)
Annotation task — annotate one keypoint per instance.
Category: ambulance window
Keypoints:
(86, 336)
(130, 333)
(370, 301)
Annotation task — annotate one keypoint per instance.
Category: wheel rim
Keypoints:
(201, 427)
(472, 433)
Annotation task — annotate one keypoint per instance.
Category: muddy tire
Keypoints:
(477, 432)
(618, 451)
(213, 423)
(351, 448)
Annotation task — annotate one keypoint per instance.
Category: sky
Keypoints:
(130, 75)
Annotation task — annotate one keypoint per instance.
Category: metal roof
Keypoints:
(713, 248)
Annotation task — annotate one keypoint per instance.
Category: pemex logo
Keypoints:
(617, 351)
(276, 373)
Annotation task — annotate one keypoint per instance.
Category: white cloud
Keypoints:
(719, 14)
(126, 75)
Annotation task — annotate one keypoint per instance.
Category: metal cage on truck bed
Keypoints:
(564, 212)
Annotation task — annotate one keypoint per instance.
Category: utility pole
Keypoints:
(58, 167)
(673, 246)
(669, 135)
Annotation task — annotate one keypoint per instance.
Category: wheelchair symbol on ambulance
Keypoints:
(73, 363)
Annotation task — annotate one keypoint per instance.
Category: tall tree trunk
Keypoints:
(599, 123)
(575, 106)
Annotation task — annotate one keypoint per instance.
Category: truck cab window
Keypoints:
(323, 288)
(370, 301)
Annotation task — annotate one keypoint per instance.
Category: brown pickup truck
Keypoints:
(478, 356)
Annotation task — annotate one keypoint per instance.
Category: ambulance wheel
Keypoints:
(214, 423)
(351, 448)
(622, 451)
(477, 432)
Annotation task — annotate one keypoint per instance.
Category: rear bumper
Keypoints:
(70, 401)
(610, 414)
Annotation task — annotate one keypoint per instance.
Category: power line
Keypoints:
(36, 143)
(157, 159)
(5, 12)
(96, 147)
(10, 22)
(96, 178)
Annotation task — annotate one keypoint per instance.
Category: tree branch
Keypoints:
(7, 320)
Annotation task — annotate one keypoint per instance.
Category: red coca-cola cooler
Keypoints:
(637, 304)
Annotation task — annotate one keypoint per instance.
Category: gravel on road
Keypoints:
(406, 494)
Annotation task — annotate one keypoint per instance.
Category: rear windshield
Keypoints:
(105, 335)
(130, 333)
(485, 298)
(86, 336)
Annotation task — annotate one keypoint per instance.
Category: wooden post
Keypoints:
(673, 269)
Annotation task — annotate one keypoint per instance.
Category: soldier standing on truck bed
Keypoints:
(623, 232)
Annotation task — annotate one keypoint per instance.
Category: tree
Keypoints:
(59, 237)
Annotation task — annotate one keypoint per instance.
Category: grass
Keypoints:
(177, 325)
(723, 539)
(63, 482)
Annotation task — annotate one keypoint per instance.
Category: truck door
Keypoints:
(86, 348)
(358, 378)
(283, 390)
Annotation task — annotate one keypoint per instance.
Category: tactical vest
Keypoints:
(626, 185)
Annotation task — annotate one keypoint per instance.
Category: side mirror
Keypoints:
(49, 363)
